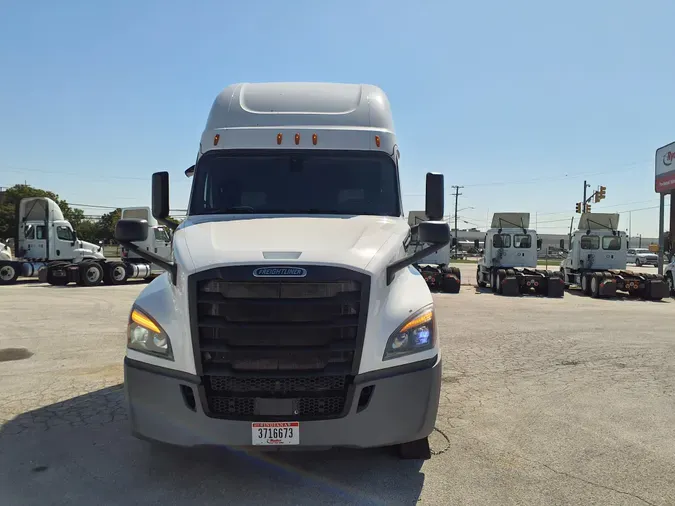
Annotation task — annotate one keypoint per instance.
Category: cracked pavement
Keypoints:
(544, 401)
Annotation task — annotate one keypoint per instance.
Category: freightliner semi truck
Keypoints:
(291, 314)
(50, 250)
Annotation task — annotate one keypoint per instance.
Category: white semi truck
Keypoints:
(596, 261)
(291, 315)
(509, 261)
(48, 248)
(435, 267)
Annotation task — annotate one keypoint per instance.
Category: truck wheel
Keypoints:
(493, 281)
(8, 273)
(501, 274)
(91, 274)
(417, 450)
(564, 277)
(481, 284)
(595, 286)
(586, 284)
(115, 273)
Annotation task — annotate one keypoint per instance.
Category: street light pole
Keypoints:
(457, 194)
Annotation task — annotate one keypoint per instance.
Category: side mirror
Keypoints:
(434, 232)
(190, 171)
(435, 197)
(131, 231)
(539, 242)
(160, 195)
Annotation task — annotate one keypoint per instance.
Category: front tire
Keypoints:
(638, 263)
(415, 450)
(8, 273)
(595, 286)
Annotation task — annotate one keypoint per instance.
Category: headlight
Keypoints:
(146, 336)
(417, 333)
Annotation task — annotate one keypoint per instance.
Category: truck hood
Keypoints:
(351, 241)
(90, 246)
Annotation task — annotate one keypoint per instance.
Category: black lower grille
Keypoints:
(276, 385)
(314, 407)
(278, 348)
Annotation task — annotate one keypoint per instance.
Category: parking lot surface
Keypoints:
(545, 401)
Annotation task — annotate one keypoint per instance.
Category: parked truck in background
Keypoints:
(596, 261)
(509, 261)
(158, 241)
(435, 267)
(48, 248)
(291, 315)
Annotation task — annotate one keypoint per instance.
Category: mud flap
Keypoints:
(510, 286)
(42, 274)
(657, 289)
(451, 283)
(555, 287)
(608, 287)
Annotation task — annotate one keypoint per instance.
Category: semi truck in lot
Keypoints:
(509, 262)
(48, 248)
(291, 314)
(596, 261)
(435, 267)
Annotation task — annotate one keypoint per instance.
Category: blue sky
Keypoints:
(517, 101)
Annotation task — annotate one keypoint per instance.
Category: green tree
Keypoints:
(14, 194)
(107, 223)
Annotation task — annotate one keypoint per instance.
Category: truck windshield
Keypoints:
(611, 243)
(310, 182)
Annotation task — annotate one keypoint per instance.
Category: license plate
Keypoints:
(275, 433)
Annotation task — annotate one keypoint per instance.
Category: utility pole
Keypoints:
(457, 194)
(583, 202)
(569, 238)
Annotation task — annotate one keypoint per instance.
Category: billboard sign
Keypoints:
(665, 168)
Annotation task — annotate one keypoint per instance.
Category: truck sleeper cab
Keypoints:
(290, 315)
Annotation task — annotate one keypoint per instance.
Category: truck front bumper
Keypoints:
(402, 407)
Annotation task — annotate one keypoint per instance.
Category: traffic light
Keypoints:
(596, 197)
(602, 192)
(579, 207)
(588, 208)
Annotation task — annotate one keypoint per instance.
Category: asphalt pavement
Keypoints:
(544, 401)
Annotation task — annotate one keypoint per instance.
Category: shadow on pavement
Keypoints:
(79, 451)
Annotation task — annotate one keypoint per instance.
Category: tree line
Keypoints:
(88, 229)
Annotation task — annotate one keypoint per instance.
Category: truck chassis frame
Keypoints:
(519, 281)
(606, 283)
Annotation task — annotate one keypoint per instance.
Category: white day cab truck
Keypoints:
(290, 315)
(509, 262)
(49, 249)
(596, 261)
(435, 267)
